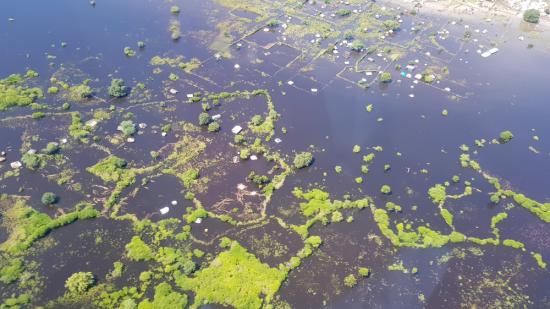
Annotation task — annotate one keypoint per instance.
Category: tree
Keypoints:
(49, 198)
(118, 89)
(80, 282)
(32, 161)
(506, 136)
(256, 120)
(51, 148)
(204, 119)
(531, 16)
(214, 127)
(385, 189)
(350, 281)
(303, 159)
(385, 77)
(127, 127)
(392, 25)
(357, 46)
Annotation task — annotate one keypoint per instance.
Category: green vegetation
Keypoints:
(26, 225)
(385, 189)
(164, 297)
(32, 161)
(51, 148)
(303, 159)
(80, 282)
(138, 250)
(363, 272)
(127, 127)
(204, 119)
(385, 77)
(506, 136)
(234, 278)
(213, 126)
(10, 270)
(350, 281)
(175, 9)
(49, 198)
(129, 52)
(118, 89)
(531, 16)
(14, 92)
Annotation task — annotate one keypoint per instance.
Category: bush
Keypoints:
(357, 46)
(506, 136)
(213, 127)
(531, 16)
(51, 148)
(364, 272)
(49, 198)
(385, 189)
(118, 89)
(350, 281)
(256, 120)
(175, 9)
(80, 282)
(127, 127)
(32, 161)
(385, 77)
(303, 159)
(204, 119)
(38, 115)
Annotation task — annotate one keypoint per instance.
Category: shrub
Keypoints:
(118, 89)
(49, 198)
(391, 25)
(303, 159)
(357, 46)
(385, 77)
(138, 250)
(506, 136)
(256, 120)
(350, 281)
(385, 189)
(204, 119)
(127, 127)
(343, 12)
(175, 9)
(213, 126)
(364, 272)
(80, 282)
(51, 148)
(531, 16)
(38, 115)
(32, 161)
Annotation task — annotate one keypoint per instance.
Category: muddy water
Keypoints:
(507, 91)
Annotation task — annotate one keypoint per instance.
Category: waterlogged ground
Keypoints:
(381, 160)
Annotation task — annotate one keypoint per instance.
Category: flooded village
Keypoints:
(274, 154)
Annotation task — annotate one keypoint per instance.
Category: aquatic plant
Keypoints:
(118, 89)
(303, 159)
(80, 282)
(531, 16)
(385, 189)
(343, 12)
(51, 148)
(391, 24)
(49, 198)
(11, 269)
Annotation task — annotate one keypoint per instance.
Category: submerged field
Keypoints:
(273, 154)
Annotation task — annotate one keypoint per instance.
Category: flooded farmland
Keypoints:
(274, 154)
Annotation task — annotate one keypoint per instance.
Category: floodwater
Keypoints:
(323, 110)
